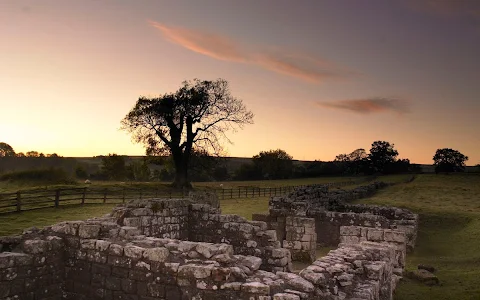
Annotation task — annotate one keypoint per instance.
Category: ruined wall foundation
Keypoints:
(178, 249)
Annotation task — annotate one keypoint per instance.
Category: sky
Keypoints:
(322, 77)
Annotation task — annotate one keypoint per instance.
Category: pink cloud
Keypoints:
(368, 105)
(306, 68)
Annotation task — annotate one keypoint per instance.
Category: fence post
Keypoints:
(246, 192)
(105, 196)
(123, 195)
(19, 201)
(231, 193)
(57, 197)
(83, 195)
(170, 194)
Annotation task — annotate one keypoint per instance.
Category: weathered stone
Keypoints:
(195, 271)
(423, 276)
(88, 231)
(256, 288)
(285, 296)
(156, 254)
(133, 252)
(251, 262)
(35, 246)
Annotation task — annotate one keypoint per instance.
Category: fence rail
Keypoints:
(37, 199)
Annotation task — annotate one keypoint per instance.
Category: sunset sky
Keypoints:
(321, 77)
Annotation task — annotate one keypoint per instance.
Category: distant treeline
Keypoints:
(272, 164)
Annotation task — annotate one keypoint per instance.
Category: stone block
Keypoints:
(285, 296)
(35, 246)
(255, 288)
(159, 254)
(395, 236)
(350, 230)
(89, 231)
(195, 271)
(115, 249)
(375, 235)
(133, 252)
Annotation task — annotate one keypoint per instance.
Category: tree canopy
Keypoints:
(274, 164)
(449, 160)
(199, 114)
(381, 155)
(113, 166)
(6, 150)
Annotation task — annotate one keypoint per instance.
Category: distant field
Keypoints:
(6, 187)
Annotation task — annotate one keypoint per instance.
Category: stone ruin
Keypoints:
(182, 249)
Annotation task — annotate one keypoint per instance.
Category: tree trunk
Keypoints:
(181, 172)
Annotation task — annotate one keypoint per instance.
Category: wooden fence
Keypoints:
(44, 198)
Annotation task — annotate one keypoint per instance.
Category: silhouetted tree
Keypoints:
(6, 150)
(449, 160)
(32, 154)
(354, 163)
(200, 113)
(382, 154)
(274, 164)
(399, 166)
(113, 166)
(248, 171)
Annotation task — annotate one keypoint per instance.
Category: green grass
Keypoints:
(448, 236)
(15, 223)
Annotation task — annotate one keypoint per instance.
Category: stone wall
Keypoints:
(176, 249)
(328, 223)
(331, 210)
(395, 238)
(99, 266)
(301, 239)
(168, 218)
(398, 219)
(31, 268)
(181, 219)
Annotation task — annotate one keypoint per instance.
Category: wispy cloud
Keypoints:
(223, 48)
(368, 105)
